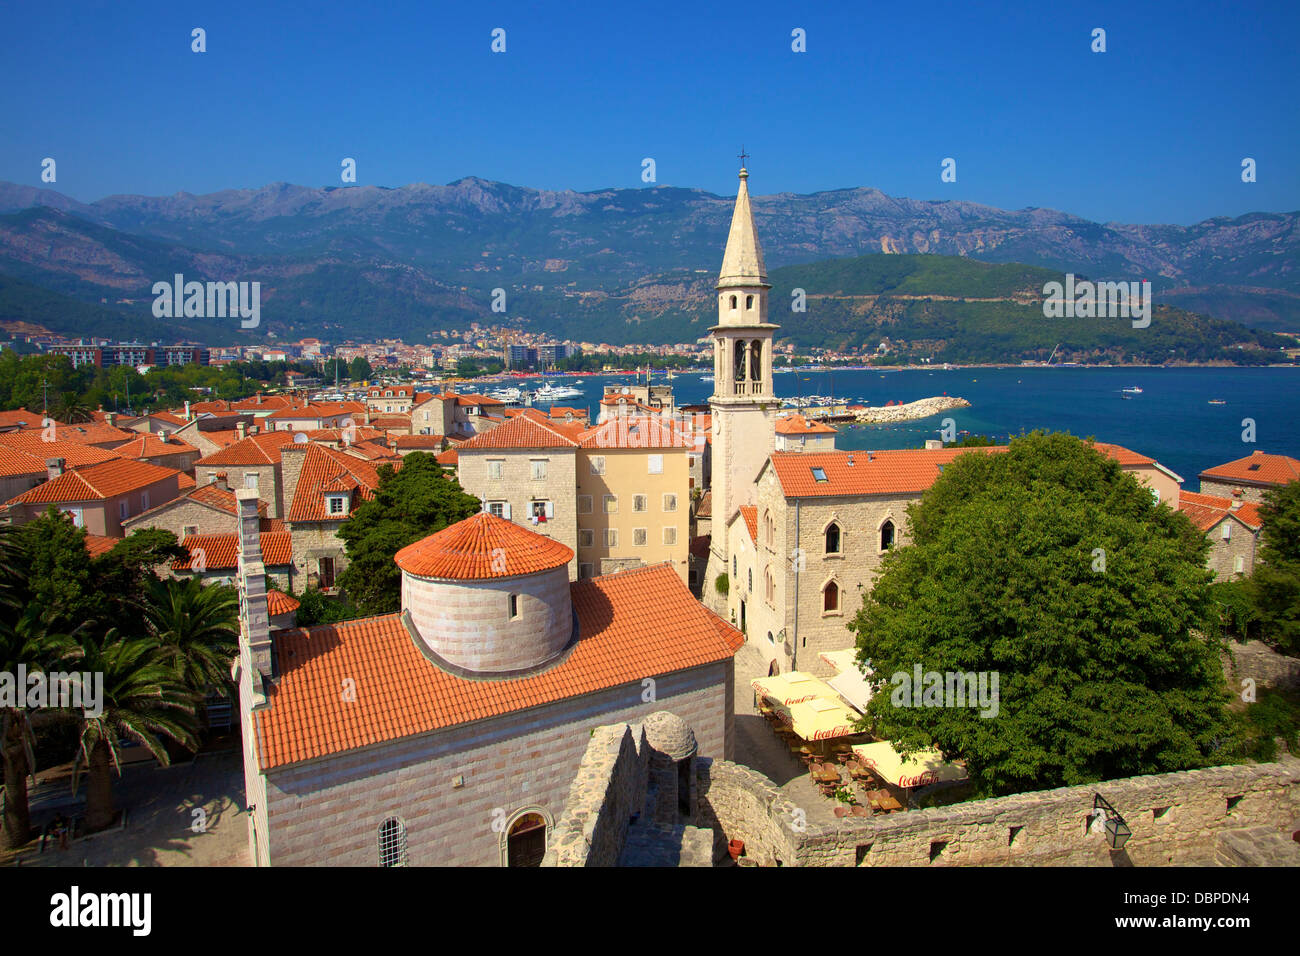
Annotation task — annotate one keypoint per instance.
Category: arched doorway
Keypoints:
(526, 841)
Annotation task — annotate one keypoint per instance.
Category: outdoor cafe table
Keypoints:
(920, 769)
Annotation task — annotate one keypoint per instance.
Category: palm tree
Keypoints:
(143, 700)
(26, 640)
(197, 626)
(73, 410)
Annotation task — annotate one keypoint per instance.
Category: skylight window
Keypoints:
(819, 474)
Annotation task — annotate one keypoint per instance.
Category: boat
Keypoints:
(1132, 390)
(706, 378)
(556, 393)
(507, 394)
(1217, 401)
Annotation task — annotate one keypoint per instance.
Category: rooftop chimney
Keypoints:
(850, 461)
(108, 418)
(187, 410)
(241, 429)
(254, 620)
(162, 436)
(1233, 506)
(933, 444)
(53, 468)
(871, 456)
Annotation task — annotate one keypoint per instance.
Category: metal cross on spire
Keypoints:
(743, 156)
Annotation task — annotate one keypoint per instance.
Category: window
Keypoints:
(656, 464)
(1155, 495)
(250, 480)
(189, 529)
(638, 537)
(597, 464)
(819, 474)
(335, 504)
(392, 843)
(514, 606)
(586, 538)
(124, 510)
(886, 536)
(499, 508)
(611, 537)
(670, 502)
(540, 511)
(769, 586)
(610, 504)
(733, 303)
(751, 580)
(1227, 531)
(325, 572)
(584, 504)
(144, 501)
(670, 535)
(496, 469)
(833, 539)
(640, 503)
(538, 469)
(584, 570)
(1239, 564)
(769, 528)
(733, 566)
(831, 597)
(749, 302)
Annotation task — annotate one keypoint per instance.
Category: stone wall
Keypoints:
(1226, 489)
(268, 482)
(1175, 818)
(609, 787)
(1222, 559)
(1267, 667)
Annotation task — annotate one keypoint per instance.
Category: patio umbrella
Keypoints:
(821, 719)
(919, 770)
(848, 681)
(792, 688)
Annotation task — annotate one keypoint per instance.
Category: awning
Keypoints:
(848, 681)
(821, 719)
(792, 688)
(919, 770)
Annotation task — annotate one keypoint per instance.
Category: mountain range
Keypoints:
(614, 265)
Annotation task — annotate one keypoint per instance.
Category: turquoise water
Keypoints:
(1170, 421)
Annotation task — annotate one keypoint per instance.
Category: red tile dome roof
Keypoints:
(482, 547)
(277, 603)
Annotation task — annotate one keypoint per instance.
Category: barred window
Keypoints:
(639, 503)
(670, 535)
(639, 537)
(392, 843)
(670, 502)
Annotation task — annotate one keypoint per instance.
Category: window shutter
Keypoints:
(505, 511)
(550, 509)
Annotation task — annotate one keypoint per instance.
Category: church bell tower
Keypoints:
(743, 403)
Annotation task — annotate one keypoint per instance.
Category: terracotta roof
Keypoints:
(185, 480)
(409, 442)
(29, 458)
(221, 551)
(325, 470)
(705, 508)
(97, 544)
(20, 418)
(1257, 468)
(1124, 456)
(151, 446)
(277, 603)
(904, 471)
(559, 411)
(471, 398)
(653, 432)
(354, 433)
(700, 545)
(524, 431)
(90, 433)
(481, 547)
(370, 451)
(97, 482)
(750, 514)
(260, 449)
(319, 410)
(1206, 511)
(795, 424)
(169, 417)
(449, 458)
(632, 625)
(390, 420)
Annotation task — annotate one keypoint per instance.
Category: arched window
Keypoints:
(740, 361)
(751, 579)
(769, 528)
(749, 302)
(833, 539)
(392, 842)
(831, 597)
(526, 841)
(756, 361)
(733, 303)
(886, 536)
(769, 586)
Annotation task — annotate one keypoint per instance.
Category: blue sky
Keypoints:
(1153, 130)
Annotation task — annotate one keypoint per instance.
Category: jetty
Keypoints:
(922, 408)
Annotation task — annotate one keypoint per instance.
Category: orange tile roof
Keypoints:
(471, 398)
(370, 451)
(318, 410)
(653, 432)
(97, 544)
(481, 547)
(261, 449)
(185, 481)
(93, 433)
(353, 433)
(277, 603)
(750, 514)
(151, 446)
(21, 418)
(632, 625)
(407, 442)
(1206, 511)
(214, 496)
(97, 482)
(18, 457)
(705, 508)
(325, 470)
(1124, 456)
(221, 551)
(1257, 468)
(523, 431)
(559, 411)
(795, 424)
(449, 458)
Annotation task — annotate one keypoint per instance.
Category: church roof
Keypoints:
(631, 625)
(482, 547)
(742, 264)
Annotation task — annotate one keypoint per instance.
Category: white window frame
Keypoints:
(538, 473)
(610, 504)
(670, 496)
(640, 537)
(496, 469)
(670, 531)
(330, 501)
(1227, 531)
(251, 479)
(584, 504)
(611, 537)
(655, 464)
(598, 464)
(586, 537)
(643, 501)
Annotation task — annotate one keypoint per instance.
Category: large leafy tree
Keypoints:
(55, 569)
(1051, 567)
(410, 503)
(1275, 584)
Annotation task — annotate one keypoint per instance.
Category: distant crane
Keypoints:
(1053, 355)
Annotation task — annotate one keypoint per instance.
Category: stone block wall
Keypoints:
(1267, 667)
(608, 788)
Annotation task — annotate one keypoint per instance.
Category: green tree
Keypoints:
(1050, 567)
(143, 700)
(198, 629)
(410, 504)
(359, 369)
(55, 569)
(1275, 583)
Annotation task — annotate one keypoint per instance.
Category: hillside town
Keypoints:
(630, 637)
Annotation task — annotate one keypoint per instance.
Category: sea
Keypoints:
(1171, 420)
